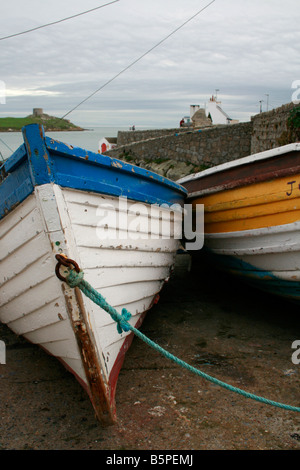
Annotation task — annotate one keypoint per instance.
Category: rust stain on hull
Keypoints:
(98, 390)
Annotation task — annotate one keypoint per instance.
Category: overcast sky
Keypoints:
(246, 49)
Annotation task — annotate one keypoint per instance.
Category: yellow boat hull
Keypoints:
(252, 218)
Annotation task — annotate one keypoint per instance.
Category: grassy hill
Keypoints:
(50, 123)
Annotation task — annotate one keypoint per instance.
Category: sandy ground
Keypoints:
(229, 331)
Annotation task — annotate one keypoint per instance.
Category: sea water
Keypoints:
(87, 139)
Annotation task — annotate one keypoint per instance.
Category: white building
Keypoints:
(107, 143)
(217, 114)
(212, 114)
(193, 109)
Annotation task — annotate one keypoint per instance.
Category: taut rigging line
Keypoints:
(138, 59)
(58, 21)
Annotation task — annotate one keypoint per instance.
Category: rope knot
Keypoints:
(122, 322)
(73, 278)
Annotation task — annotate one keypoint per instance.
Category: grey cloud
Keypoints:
(232, 46)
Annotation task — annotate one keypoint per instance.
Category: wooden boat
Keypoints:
(96, 210)
(252, 218)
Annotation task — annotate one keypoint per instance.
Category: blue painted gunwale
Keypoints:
(41, 160)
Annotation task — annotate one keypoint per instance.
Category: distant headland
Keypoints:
(50, 123)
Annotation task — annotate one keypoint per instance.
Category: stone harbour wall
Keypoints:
(270, 129)
(128, 137)
(190, 150)
(175, 153)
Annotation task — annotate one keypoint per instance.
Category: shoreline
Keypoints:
(50, 123)
(47, 130)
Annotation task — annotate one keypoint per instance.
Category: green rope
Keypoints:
(75, 279)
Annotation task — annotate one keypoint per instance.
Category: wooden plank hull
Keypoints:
(252, 218)
(126, 250)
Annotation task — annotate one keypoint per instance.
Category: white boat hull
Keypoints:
(128, 272)
(268, 257)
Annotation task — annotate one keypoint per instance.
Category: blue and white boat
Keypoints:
(120, 223)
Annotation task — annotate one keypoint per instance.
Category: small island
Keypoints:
(50, 123)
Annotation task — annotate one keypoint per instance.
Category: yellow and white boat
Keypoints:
(252, 217)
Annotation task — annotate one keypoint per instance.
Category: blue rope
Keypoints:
(75, 279)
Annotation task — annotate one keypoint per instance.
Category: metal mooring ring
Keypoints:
(69, 263)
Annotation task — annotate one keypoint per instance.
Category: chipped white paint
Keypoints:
(35, 304)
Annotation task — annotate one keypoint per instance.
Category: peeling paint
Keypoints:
(116, 164)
